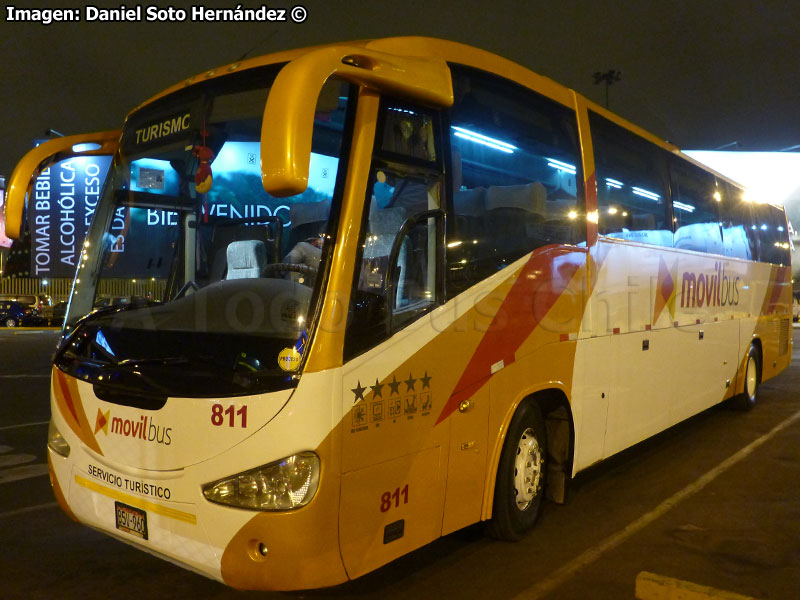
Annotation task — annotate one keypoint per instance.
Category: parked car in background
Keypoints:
(58, 313)
(39, 302)
(14, 314)
(104, 301)
(59, 310)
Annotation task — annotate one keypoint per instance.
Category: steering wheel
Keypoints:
(191, 284)
(297, 268)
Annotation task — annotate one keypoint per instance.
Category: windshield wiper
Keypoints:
(167, 360)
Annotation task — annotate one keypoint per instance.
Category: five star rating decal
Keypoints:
(359, 392)
(388, 402)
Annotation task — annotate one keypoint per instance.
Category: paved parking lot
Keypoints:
(714, 501)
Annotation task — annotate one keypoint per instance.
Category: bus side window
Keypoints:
(739, 235)
(515, 176)
(773, 237)
(695, 208)
(397, 277)
(632, 190)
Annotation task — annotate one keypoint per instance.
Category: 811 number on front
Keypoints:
(221, 416)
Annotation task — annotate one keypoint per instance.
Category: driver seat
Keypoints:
(246, 259)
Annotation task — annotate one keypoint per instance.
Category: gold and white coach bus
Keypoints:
(409, 286)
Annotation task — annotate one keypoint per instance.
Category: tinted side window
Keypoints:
(695, 206)
(773, 237)
(632, 189)
(739, 236)
(516, 176)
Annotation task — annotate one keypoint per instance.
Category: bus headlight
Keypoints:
(55, 441)
(282, 485)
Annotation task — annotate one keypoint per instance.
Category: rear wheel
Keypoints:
(752, 380)
(520, 475)
(11, 322)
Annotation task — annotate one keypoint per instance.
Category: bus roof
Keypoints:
(412, 46)
(456, 52)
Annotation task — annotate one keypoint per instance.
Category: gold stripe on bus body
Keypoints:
(326, 347)
(68, 401)
(458, 341)
(546, 277)
(499, 328)
(158, 509)
(304, 541)
(590, 177)
(778, 296)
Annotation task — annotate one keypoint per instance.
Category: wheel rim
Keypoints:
(11, 323)
(751, 381)
(527, 469)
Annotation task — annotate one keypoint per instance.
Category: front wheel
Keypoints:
(520, 475)
(752, 380)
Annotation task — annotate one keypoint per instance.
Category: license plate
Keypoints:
(131, 520)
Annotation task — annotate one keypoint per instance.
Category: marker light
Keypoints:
(86, 147)
(55, 441)
(282, 485)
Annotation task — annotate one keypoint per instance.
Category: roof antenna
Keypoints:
(257, 44)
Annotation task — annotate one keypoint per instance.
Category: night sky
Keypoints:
(699, 73)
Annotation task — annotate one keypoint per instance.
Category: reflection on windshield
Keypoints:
(190, 260)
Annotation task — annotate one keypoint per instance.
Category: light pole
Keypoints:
(609, 77)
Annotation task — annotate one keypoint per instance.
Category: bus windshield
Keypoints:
(190, 262)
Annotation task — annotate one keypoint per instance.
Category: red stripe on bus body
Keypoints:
(777, 287)
(539, 284)
(62, 386)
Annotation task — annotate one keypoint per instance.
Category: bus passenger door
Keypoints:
(394, 455)
(466, 469)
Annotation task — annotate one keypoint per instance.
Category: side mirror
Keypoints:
(38, 159)
(289, 114)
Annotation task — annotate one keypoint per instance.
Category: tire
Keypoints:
(752, 380)
(519, 487)
(10, 322)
